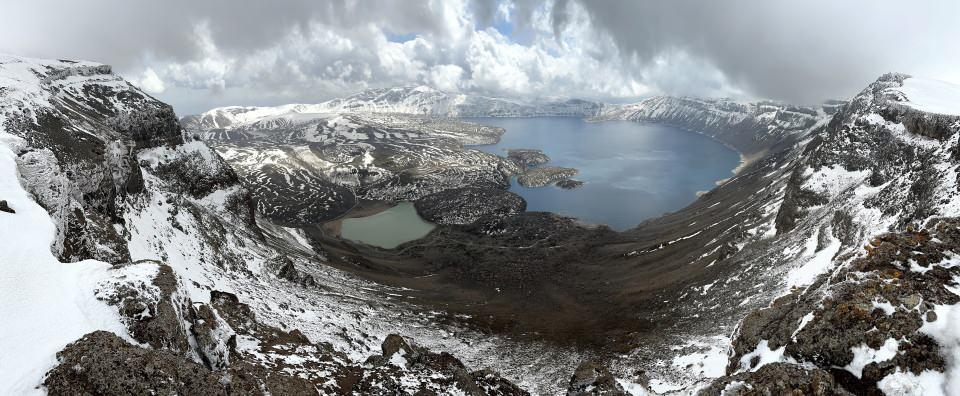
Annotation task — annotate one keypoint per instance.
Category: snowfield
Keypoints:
(933, 96)
(44, 304)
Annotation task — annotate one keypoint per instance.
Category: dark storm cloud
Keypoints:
(204, 53)
(793, 50)
(120, 32)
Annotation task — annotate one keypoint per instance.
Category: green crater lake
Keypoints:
(387, 229)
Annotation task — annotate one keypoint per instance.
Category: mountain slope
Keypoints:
(874, 317)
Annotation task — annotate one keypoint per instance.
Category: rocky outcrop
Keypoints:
(221, 347)
(466, 205)
(151, 308)
(592, 379)
(569, 184)
(83, 126)
(778, 379)
(101, 363)
(545, 175)
(864, 324)
(527, 158)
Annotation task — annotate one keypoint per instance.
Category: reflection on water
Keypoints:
(387, 229)
(633, 171)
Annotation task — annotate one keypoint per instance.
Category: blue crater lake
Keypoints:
(632, 171)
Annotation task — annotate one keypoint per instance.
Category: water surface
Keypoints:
(633, 171)
(387, 229)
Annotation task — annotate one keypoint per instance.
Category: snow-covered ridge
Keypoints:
(419, 100)
(932, 96)
(749, 127)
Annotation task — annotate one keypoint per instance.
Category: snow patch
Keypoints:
(765, 356)
(928, 383)
(946, 331)
(816, 264)
(864, 355)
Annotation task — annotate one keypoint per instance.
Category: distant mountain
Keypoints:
(417, 100)
(748, 127)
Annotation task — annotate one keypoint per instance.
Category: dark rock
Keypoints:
(101, 363)
(843, 314)
(155, 323)
(591, 378)
(290, 272)
(466, 205)
(777, 379)
(527, 158)
(545, 175)
(569, 184)
(4, 207)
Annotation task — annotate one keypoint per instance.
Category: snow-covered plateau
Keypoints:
(150, 255)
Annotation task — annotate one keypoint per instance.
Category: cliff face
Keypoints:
(82, 127)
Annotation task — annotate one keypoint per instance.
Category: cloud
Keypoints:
(797, 51)
(197, 55)
(446, 77)
(151, 82)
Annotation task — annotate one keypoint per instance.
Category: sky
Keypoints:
(197, 55)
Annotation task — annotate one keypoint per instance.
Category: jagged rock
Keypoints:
(101, 363)
(4, 207)
(396, 350)
(151, 311)
(591, 378)
(881, 298)
(211, 338)
(191, 174)
(287, 270)
(83, 142)
(777, 379)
